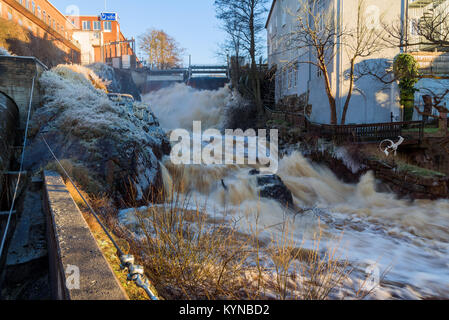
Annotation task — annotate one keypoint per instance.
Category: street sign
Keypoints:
(109, 16)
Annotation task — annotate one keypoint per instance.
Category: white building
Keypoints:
(372, 100)
(88, 40)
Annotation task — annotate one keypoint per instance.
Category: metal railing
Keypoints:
(354, 133)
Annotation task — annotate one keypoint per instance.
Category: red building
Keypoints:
(45, 21)
(101, 40)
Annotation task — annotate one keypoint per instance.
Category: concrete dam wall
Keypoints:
(9, 122)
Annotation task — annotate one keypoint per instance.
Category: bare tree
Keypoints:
(162, 50)
(436, 104)
(232, 45)
(317, 31)
(431, 29)
(249, 16)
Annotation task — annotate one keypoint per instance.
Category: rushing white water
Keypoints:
(179, 105)
(410, 239)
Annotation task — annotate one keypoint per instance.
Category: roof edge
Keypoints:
(269, 15)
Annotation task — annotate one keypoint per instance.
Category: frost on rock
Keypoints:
(342, 154)
(117, 81)
(117, 144)
(4, 52)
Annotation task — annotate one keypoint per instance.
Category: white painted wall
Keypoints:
(372, 101)
(87, 39)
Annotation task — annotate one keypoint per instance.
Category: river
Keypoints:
(407, 240)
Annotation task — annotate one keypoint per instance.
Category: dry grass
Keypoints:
(78, 173)
(104, 207)
(189, 256)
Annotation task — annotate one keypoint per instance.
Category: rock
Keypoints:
(254, 172)
(272, 187)
(118, 81)
(108, 148)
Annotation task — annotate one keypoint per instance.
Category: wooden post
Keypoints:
(443, 124)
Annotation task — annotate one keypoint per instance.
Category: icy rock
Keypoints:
(120, 150)
(272, 187)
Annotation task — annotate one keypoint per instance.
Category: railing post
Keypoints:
(421, 130)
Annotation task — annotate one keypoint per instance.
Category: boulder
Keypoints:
(107, 147)
(272, 187)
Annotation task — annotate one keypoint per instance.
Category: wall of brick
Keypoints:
(43, 20)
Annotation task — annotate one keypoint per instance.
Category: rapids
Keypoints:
(408, 240)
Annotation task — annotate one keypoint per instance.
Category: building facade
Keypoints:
(43, 20)
(372, 101)
(103, 41)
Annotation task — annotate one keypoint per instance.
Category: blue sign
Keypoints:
(109, 16)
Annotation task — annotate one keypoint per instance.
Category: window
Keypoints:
(33, 7)
(97, 25)
(54, 26)
(107, 26)
(9, 14)
(86, 25)
(44, 16)
(27, 4)
(39, 12)
(48, 19)
(0, 9)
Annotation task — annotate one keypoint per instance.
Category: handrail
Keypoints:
(382, 129)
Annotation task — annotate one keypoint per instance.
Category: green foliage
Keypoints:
(406, 71)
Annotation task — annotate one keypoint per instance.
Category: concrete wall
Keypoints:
(372, 100)
(73, 250)
(9, 118)
(16, 75)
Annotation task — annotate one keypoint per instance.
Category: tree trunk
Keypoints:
(255, 83)
(351, 88)
(330, 97)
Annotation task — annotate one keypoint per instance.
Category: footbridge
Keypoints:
(199, 76)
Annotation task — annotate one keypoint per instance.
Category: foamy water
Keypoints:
(410, 240)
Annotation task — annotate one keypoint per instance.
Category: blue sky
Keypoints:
(191, 22)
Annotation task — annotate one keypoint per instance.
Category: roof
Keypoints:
(271, 11)
(65, 17)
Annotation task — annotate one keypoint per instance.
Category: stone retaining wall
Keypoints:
(404, 184)
(408, 184)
